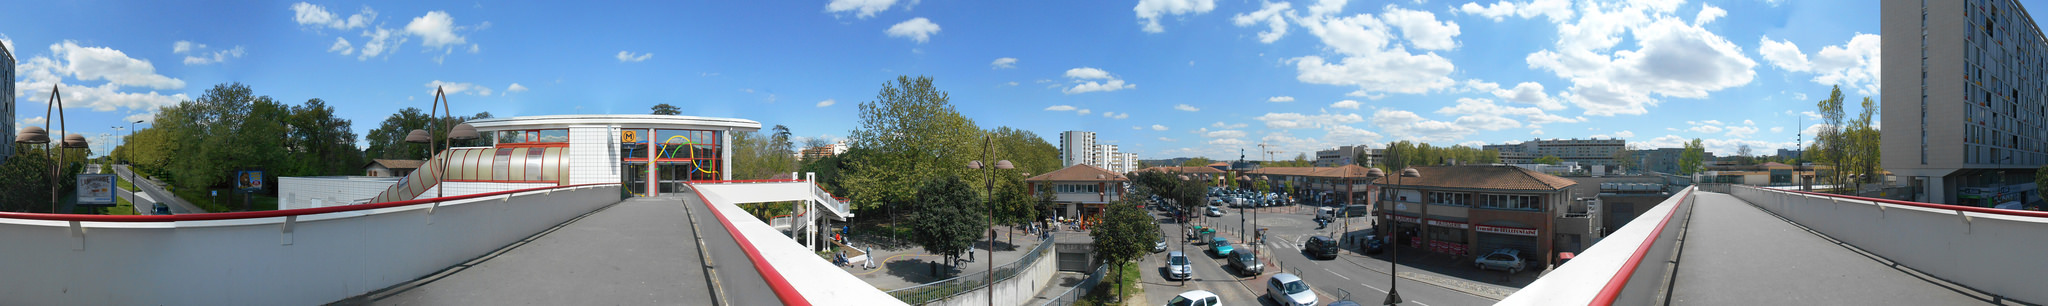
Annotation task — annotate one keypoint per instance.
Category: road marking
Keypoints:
(1337, 274)
(1373, 288)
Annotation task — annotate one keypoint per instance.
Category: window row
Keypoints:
(1078, 188)
(1519, 202)
(534, 136)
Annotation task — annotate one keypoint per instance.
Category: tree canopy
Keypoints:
(665, 109)
(1549, 160)
(1693, 158)
(1403, 154)
(947, 218)
(1123, 235)
(387, 141)
(909, 135)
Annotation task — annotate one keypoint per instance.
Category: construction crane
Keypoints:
(1268, 149)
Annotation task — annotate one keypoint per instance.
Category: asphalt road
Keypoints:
(151, 188)
(1349, 275)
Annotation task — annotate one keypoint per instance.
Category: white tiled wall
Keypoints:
(309, 192)
(593, 154)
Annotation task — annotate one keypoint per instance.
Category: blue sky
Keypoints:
(1164, 78)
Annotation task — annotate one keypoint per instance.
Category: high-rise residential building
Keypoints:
(1077, 147)
(6, 103)
(1587, 152)
(1965, 113)
(829, 150)
(1347, 155)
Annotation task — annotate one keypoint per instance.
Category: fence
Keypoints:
(1976, 247)
(1072, 295)
(946, 288)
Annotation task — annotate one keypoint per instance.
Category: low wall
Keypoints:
(1992, 250)
(1625, 268)
(314, 259)
(1016, 290)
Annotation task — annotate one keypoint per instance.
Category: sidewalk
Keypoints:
(904, 266)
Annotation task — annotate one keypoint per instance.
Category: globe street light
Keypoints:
(1394, 289)
(38, 135)
(988, 203)
(461, 131)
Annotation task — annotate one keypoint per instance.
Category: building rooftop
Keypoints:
(1079, 173)
(397, 163)
(1481, 177)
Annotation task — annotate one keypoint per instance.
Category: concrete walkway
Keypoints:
(641, 251)
(1737, 254)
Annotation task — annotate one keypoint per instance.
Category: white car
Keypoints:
(1195, 298)
(1215, 212)
(1287, 289)
(1503, 259)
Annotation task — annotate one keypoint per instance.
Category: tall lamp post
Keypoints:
(1394, 287)
(38, 135)
(461, 131)
(988, 203)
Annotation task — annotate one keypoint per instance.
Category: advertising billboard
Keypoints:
(249, 181)
(95, 190)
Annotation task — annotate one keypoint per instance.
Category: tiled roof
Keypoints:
(1079, 173)
(1183, 169)
(399, 163)
(1481, 177)
(1345, 171)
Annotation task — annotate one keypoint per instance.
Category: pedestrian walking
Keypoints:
(871, 258)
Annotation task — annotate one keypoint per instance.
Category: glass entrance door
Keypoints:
(673, 174)
(635, 178)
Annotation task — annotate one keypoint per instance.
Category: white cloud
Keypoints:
(514, 88)
(630, 57)
(1221, 125)
(1373, 59)
(1741, 131)
(379, 41)
(1407, 125)
(1535, 132)
(1300, 121)
(1707, 129)
(1084, 81)
(1708, 13)
(827, 102)
(1115, 115)
(1149, 11)
(1556, 10)
(1672, 58)
(1777, 129)
(916, 29)
(452, 88)
(1345, 134)
(435, 29)
(1270, 13)
(1625, 134)
(195, 53)
(1525, 93)
(1280, 99)
(1185, 107)
(1225, 134)
(1346, 104)
(342, 46)
(1083, 112)
(1485, 115)
(1003, 63)
(1167, 139)
(1156, 127)
(313, 15)
(1856, 64)
(1748, 122)
(862, 8)
(1713, 122)
(79, 64)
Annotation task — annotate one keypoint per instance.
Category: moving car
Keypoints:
(1287, 289)
(1247, 264)
(1374, 245)
(1177, 266)
(1320, 247)
(1220, 246)
(160, 209)
(1215, 212)
(1502, 259)
(1194, 298)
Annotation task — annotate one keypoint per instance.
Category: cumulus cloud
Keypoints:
(1168, 139)
(435, 29)
(827, 102)
(1115, 115)
(342, 46)
(1855, 64)
(514, 88)
(630, 57)
(861, 9)
(1708, 13)
(308, 14)
(1270, 13)
(1346, 104)
(1003, 63)
(452, 88)
(1156, 127)
(1672, 58)
(1376, 60)
(1060, 108)
(1185, 107)
(1346, 134)
(1526, 93)
(916, 29)
(1087, 79)
(75, 66)
(1280, 99)
(1557, 10)
(196, 54)
(1149, 11)
(1300, 121)
(1407, 125)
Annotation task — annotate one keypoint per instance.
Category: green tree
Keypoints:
(1197, 162)
(321, 143)
(665, 109)
(1832, 142)
(909, 135)
(1122, 236)
(1549, 160)
(387, 141)
(947, 218)
(27, 177)
(1694, 156)
(1626, 157)
(757, 156)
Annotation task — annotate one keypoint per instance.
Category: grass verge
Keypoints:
(227, 201)
(1130, 278)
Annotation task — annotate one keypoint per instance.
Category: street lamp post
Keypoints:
(461, 131)
(38, 135)
(131, 172)
(988, 203)
(1394, 284)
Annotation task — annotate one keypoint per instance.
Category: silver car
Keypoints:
(1178, 267)
(1503, 259)
(1287, 289)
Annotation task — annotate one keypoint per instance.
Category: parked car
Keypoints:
(1159, 246)
(1247, 264)
(1215, 212)
(1194, 298)
(1374, 244)
(1220, 246)
(1287, 289)
(1177, 266)
(1502, 259)
(1320, 247)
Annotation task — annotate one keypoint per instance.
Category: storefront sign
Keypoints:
(1507, 230)
(1437, 223)
(1446, 247)
(1408, 219)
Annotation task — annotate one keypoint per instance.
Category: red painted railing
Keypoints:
(265, 214)
(1974, 209)
(1628, 269)
(783, 290)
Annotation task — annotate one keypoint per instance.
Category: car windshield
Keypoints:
(1178, 260)
(1500, 257)
(1295, 287)
(1222, 243)
(1180, 301)
(1245, 257)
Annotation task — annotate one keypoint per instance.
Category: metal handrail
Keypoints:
(1075, 293)
(1612, 291)
(270, 213)
(962, 284)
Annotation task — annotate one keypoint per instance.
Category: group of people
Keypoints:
(867, 262)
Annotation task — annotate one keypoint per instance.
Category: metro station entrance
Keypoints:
(635, 178)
